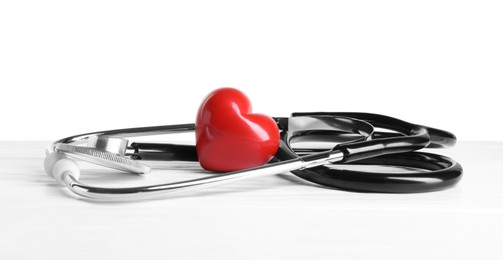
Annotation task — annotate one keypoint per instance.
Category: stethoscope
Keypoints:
(319, 147)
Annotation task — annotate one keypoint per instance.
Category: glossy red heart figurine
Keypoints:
(229, 137)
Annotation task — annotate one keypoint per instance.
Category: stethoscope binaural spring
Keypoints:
(319, 147)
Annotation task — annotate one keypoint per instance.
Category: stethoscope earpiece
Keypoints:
(58, 166)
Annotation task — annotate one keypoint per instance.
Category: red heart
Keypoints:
(229, 137)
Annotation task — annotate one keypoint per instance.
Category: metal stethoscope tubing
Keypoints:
(161, 190)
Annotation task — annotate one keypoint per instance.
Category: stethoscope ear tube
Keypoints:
(418, 139)
(437, 138)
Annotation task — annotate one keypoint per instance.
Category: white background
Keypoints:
(68, 67)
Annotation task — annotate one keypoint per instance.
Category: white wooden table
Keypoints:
(265, 218)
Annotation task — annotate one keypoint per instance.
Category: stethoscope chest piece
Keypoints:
(105, 151)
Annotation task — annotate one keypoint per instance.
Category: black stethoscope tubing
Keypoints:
(434, 172)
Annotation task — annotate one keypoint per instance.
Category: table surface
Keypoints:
(263, 218)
